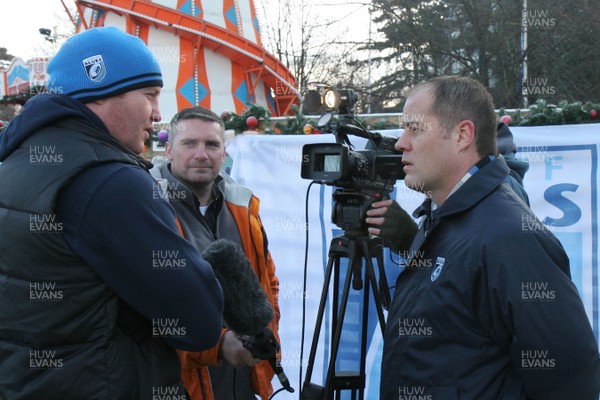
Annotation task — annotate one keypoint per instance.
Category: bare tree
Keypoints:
(313, 44)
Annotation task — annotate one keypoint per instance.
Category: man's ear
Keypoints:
(168, 150)
(465, 133)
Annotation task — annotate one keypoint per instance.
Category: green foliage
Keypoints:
(4, 55)
(237, 122)
(542, 113)
(9, 102)
(382, 124)
(22, 97)
(293, 125)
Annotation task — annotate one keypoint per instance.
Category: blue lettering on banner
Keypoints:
(550, 166)
(572, 213)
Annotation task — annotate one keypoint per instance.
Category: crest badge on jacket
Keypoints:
(439, 266)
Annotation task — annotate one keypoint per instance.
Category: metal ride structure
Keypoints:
(210, 52)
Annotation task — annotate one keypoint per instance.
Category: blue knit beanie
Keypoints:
(100, 63)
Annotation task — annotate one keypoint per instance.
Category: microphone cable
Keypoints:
(304, 283)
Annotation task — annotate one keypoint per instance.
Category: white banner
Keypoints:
(562, 184)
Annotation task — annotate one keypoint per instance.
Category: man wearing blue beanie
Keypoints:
(100, 63)
(90, 253)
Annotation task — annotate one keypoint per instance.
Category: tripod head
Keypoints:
(350, 207)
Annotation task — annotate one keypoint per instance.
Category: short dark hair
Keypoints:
(459, 98)
(196, 112)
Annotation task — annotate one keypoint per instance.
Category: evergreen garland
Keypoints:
(542, 113)
(293, 125)
(238, 123)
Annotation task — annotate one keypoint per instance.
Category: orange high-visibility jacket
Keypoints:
(244, 207)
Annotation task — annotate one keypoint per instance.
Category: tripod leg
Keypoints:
(319, 321)
(379, 296)
(338, 324)
(384, 288)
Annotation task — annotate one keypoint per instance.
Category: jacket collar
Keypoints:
(475, 189)
(478, 186)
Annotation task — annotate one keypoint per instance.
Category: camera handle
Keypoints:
(355, 248)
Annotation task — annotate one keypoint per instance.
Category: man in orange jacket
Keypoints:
(211, 206)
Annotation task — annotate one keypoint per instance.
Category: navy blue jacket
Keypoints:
(518, 168)
(98, 286)
(485, 308)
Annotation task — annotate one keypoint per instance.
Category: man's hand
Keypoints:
(375, 215)
(390, 222)
(234, 352)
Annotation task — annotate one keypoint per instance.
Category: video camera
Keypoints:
(336, 164)
(361, 176)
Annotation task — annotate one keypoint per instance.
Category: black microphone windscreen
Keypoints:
(246, 309)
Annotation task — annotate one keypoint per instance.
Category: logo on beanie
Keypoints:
(95, 68)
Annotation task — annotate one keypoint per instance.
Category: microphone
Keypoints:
(246, 309)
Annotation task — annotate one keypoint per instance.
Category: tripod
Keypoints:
(356, 247)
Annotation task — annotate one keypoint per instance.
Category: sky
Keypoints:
(22, 19)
